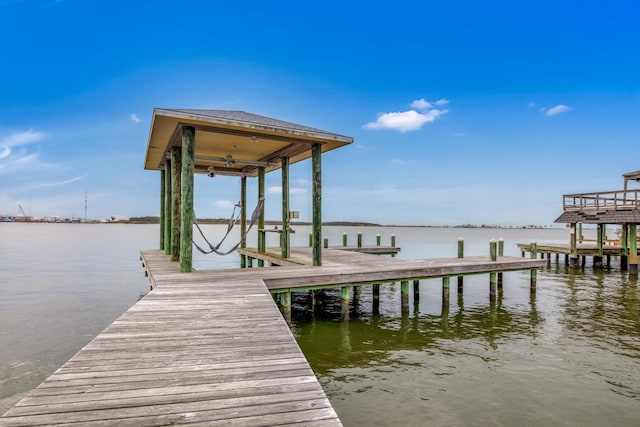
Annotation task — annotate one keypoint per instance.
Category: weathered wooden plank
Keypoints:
(57, 413)
(215, 351)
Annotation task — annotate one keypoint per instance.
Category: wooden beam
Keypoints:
(162, 217)
(243, 218)
(257, 133)
(176, 188)
(316, 226)
(573, 245)
(633, 249)
(286, 222)
(186, 220)
(167, 207)
(261, 234)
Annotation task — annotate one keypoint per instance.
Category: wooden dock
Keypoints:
(581, 252)
(191, 351)
(211, 347)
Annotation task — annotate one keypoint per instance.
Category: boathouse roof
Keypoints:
(605, 207)
(600, 217)
(234, 142)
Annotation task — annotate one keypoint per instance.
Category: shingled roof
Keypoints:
(603, 217)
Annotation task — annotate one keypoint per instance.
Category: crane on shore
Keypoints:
(22, 211)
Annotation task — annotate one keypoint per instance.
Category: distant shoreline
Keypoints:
(223, 221)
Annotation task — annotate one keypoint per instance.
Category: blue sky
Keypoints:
(462, 112)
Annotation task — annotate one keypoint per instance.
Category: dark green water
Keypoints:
(569, 355)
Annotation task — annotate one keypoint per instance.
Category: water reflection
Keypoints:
(371, 338)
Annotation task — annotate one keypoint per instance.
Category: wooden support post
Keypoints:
(378, 240)
(633, 249)
(344, 300)
(359, 239)
(310, 240)
(548, 259)
(176, 188)
(286, 222)
(186, 219)
(243, 218)
(597, 259)
(500, 254)
(534, 279)
(375, 297)
(404, 295)
(460, 255)
(416, 292)
(393, 244)
(344, 239)
(262, 244)
(573, 245)
(624, 243)
(243, 210)
(316, 226)
(167, 207)
(580, 236)
(534, 271)
(493, 250)
(285, 303)
(533, 249)
(492, 285)
(446, 280)
(326, 243)
(249, 262)
(162, 216)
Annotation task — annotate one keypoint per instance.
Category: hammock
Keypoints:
(232, 220)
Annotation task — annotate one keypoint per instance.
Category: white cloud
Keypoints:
(296, 190)
(442, 101)
(223, 204)
(22, 138)
(560, 108)
(404, 121)
(68, 181)
(274, 190)
(5, 153)
(421, 104)
(134, 118)
(531, 104)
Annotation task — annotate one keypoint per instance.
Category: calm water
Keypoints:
(570, 355)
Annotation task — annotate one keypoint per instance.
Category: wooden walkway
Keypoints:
(340, 268)
(583, 249)
(211, 347)
(188, 352)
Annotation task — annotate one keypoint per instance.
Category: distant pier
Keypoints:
(620, 207)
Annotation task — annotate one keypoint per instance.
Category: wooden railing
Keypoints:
(606, 200)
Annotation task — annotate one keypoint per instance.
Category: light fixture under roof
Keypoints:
(229, 162)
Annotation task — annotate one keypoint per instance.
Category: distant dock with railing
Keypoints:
(620, 208)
